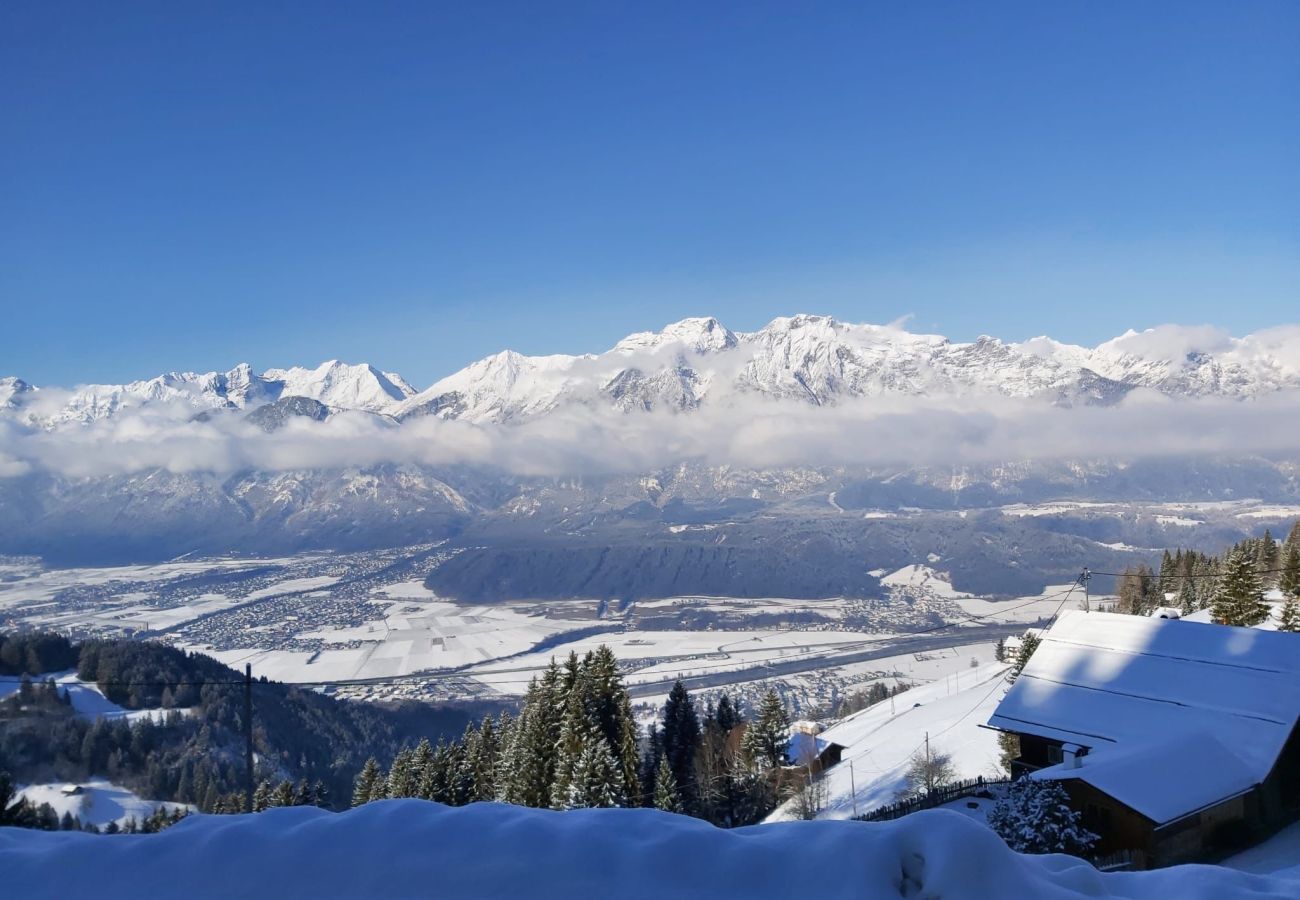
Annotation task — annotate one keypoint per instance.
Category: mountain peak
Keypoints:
(702, 334)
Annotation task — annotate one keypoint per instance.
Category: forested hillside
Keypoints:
(192, 749)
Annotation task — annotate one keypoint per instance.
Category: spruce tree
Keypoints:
(1289, 580)
(1266, 559)
(1035, 817)
(1028, 644)
(727, 716)
(680, 734)
(282, 795)
(1239, 600)
(596, 780)
(1187, 597)
(666, 796)
(262, 797)
(766, 738)
(364, 789)
(1167, 578)
(1289, 616)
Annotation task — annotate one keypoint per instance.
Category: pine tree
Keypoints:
(768, 735)
(282, 795)
(1289, 580)
(1028, 644)
(680, 734)
(1167, 577)
(402, 777)
(1187, 597)
(727, 716)
(262, 797)
(1035, 817)
(666, 796)
(1266, 559)
(1239, 600)
(1289, 617)
(596, 781)
(366, 782)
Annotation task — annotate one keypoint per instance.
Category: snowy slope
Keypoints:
(100, 802)
(342, 386)
(87, 699)
(411, 848)
(879, 741)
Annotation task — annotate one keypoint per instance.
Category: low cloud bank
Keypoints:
(754, 433)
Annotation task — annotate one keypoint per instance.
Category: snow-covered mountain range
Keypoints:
(699, 362)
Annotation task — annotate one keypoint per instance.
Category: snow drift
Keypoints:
(411, 848)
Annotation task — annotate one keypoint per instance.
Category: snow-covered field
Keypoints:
(100, 802)
(881, 739)
(411, 848)
(87, 699)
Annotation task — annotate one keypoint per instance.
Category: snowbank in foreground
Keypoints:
(411, 848)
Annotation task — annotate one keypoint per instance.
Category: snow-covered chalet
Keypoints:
(1176, 740)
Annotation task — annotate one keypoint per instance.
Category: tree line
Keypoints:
(1232, 586)
(575, 744)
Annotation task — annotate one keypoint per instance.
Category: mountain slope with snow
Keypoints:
(699, 362)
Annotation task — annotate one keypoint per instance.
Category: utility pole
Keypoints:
(929, 773)
(1085, 577)
(248, 737)
(853, 785)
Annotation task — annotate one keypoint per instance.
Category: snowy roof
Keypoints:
(1138, 692)
(1195, 770)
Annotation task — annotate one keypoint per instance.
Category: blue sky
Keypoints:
(420, 184)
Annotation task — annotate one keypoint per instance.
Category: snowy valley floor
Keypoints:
(411, 848)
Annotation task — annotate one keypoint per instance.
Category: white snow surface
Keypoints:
(412, 848)
(87, 699)
(100, 802)
(879, 741)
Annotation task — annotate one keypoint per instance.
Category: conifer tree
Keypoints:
(1028, 644)
(367, 780)
(1266, 559)
(1035, 817)
(282, 795)
(1167, 576)
(1288, 618)
(666, 796)
(402, 777)
(768, 734)
(262, 797)
(680, 735)
(1289, 580)
(1187, 598)
(1239, 600)
(596, 780)
(727, 717)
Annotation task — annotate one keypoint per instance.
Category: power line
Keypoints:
(1188, 575)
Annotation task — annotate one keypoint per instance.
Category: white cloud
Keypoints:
(752, 433)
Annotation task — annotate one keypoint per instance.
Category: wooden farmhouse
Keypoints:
(1178, 741)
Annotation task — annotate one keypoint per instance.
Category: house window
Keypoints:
(1054, 754)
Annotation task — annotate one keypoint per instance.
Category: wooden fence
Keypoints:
(931, 799)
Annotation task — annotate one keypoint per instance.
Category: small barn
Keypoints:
(1176, 740)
